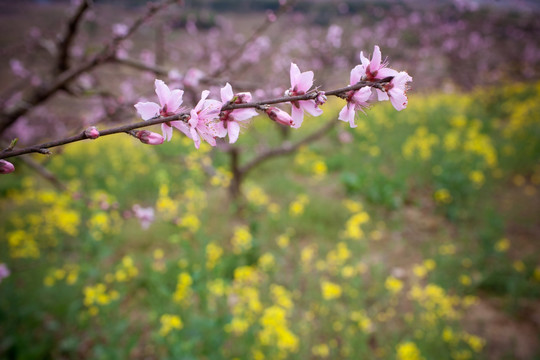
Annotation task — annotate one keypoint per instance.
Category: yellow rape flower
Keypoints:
(168, 323)
(330, 291)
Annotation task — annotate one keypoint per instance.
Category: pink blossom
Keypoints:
(356, 100)
(4, 271)
(279, 116)
(300, 84)
(201, 121)
(374, 69)
(149, 137)
(91, 133)
(193, 77)
(230, 120)
(170, 102)
(6, 167)
(145, 215)
(120, 29)
(397, 90)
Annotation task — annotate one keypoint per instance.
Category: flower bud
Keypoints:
(91, 133)
(6, 167)
(149, 137)
(321, 98)
(243, 98)
(279, 116)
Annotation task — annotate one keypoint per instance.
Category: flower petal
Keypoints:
(234, 131)
(297, 115)
(167, 131)
(175, 100)
(182, 126)
(221, 130)
(147, 110)
(311, 107)
(347, 114)
(398, 99)
(295, 74)
(226, 93)
(163, 92)
(356, 74)
(244, 114)
(375, 63)
(305, 81)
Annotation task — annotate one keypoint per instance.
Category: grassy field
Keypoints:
(413, 236)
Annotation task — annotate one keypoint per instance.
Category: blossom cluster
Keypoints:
(211, 119)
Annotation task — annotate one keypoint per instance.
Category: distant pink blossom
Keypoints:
(301, 82)
(145, 215)
(120, 29)
(279, 116)
(18, 68)
(201, 121)
(4, 271)
(356, 100)
(230, 120)
(6, 167)
(193, 77)
(170, 102)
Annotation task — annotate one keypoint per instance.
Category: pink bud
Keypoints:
(321, 98)
(6, 167)
(149, 137)
(279, 116)
(243, 97)
(91, 133)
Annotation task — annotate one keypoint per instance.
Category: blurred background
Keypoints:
(412, 236)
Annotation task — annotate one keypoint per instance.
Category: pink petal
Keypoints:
(362, 96)
(347, 114)
(364, 60)
(175, 100)
(206, 135)
(147, 110)
(234, 131)
(375, 63)
(244, 114)
(221, 131)
(163, 92)
(195, 137)
(398, 99)
(167, 131)
(356, 74)
(297, 115)
(381, 95)
(226, 93)
(311, 107)
(305, 81)
(193, 119)
(385, 72)
(182, 126)
(200, 104)
(295, 74)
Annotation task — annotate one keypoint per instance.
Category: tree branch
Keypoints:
(260, 105)
(286, 148)
(41, 94)
(64, 44)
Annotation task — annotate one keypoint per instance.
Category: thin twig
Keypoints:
(41, 94)
(286, 148)
(64, 44)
